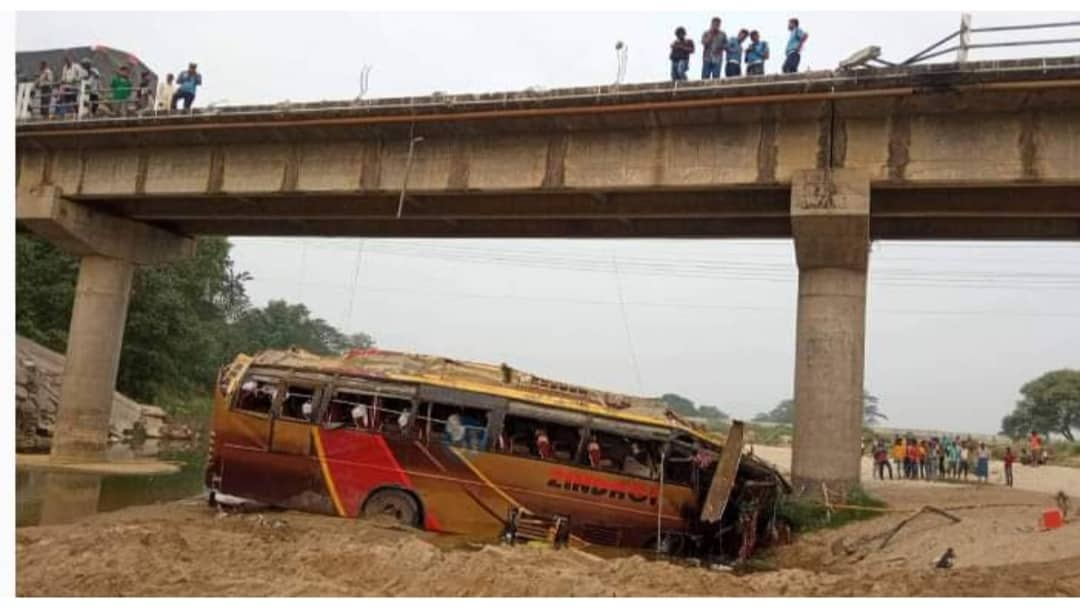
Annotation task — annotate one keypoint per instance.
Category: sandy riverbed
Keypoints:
(188, 549)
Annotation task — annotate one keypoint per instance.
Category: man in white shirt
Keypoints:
(71, 77)
(165, 92)
(360, 416)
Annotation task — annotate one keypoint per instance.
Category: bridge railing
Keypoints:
(78, 101)
(964, 44)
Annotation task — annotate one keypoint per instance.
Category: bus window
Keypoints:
(392, 415)
(458, 425)
(539, 439)
(256, 394)
(299, 403)
(615, 453)
(351, 408)
(679, 465)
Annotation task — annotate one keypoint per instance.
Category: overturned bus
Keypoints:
(479, 450)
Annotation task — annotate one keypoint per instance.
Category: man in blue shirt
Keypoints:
(185, 87)
(733, 50)
(756, 54)
(794, 46)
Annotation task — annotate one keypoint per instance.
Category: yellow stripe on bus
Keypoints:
(582, 542)
(326, 472)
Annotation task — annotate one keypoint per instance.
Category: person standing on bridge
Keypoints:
(794, 46)
(712, 50)
(756, 54)
(120, 90)
(71, 77)
(166, 89)
(681, 49)
(733, 50)
(187, 83)
(44, 85)
(93, 83)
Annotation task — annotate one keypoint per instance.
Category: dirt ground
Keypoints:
(188, 549)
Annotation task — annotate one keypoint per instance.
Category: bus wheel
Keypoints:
(393, 504)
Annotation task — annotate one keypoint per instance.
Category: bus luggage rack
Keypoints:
(524, 526)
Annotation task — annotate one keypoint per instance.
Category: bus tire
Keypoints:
(396, 504)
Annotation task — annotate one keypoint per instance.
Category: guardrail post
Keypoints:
(23, 92)
(965, 37)
(84, 99)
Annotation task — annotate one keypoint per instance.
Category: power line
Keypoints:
(776, 272)
(682, 305)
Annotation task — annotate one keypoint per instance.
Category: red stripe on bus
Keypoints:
(360, 462)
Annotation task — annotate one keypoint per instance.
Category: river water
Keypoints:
(39, 493)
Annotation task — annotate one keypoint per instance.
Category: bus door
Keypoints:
(244, 435)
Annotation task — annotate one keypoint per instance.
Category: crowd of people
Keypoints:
(719, 49)
(947, 458)
(123, 95)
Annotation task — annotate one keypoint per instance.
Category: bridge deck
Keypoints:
(975, 150)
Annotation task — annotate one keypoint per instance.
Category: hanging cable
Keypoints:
(626, 323)
(408, 167)
(347, 324)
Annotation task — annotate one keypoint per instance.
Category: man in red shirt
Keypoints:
(543, 445)
(911, 462)
(1036, 448)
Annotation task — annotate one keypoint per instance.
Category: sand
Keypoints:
(189, 549)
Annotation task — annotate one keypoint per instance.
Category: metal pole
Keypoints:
(408, 167)
(918, 56)
(1034, 26)
(83, 99)
(965, 37)
(23, 94)
(660, 501)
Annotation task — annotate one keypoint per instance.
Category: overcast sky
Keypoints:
(953, 329)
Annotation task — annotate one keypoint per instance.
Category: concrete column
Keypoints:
(109, 247)
(93, 357)
(830, 213)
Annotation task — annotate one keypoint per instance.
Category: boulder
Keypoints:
(38, 376)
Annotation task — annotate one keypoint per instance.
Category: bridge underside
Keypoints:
(924, 213)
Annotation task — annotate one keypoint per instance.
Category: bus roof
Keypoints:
(499, 380)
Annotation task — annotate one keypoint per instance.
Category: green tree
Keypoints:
(281, 325)
(871, 409)
(712, 412)
(784, 412)
(679, 404)
(1048, 404)
(184, 321)
(44, 291)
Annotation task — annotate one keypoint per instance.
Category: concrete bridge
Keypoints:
(831, 159)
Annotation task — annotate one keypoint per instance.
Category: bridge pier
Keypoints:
(109, 248)
(830, 213)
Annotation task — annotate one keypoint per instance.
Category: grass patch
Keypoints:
(779, 434)
(806, 515)
(191, 410)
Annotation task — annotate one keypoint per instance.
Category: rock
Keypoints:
(38, 376)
